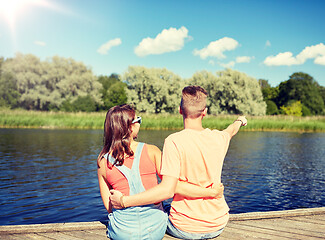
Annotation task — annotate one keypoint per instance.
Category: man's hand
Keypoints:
(219, 190)
(243, 120)
(115, 199)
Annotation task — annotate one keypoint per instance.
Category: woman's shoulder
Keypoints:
(102, 165)
(152, 148)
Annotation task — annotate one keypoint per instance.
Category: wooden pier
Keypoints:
(291, 224)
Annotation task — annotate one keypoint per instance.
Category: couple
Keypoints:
(190, 168)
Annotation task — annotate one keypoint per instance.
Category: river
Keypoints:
(49, 176)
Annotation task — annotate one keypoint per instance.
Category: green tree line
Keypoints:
(56, 84)
(300, 95)
(63, 84)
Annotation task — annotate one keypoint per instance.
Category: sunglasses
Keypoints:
(137, 120)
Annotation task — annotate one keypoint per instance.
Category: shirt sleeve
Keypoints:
(226, 138)
(170, 163)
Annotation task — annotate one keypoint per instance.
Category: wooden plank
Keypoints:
(231, 234)
(310, 219)
(308, 223)
(227, 234)
(236, 233)
(321, 218)
(86, 235)
(35, 236)
(10, 237)
(269, 233)
(58, 235)
(277, 214)
(101, 232)
(34, 228)
(20, 236)
(303, 225)
(168, 237)
(288, 226)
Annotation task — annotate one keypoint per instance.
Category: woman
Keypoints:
(131, 167)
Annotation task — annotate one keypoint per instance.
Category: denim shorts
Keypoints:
(175, 232)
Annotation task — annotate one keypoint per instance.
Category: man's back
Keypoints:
(196, 157)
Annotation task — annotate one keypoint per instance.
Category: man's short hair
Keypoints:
(194, 100)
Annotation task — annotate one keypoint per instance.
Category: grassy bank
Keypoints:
(35, 119)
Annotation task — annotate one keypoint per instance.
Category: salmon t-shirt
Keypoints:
(196, 157)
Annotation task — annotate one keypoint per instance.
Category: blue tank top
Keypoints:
(142, 222)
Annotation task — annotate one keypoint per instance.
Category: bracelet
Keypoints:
(121, 201)
(242, 123)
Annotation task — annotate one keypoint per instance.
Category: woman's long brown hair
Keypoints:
(117, 132)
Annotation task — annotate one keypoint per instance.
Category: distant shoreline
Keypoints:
(95, 120)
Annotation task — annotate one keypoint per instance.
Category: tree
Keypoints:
(271, 108)
(293, 109)
(9, 94)
(113, 91)
(301, 87)
(263, 83)
(305, 110)
(231, 92)
(84, 104)
(47, 84)
(153, 90)
(107, 82)
(115, 95)
(322, 93)
(8, 89)
(270, 93)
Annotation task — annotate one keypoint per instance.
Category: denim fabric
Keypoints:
(143, 222)
(175, 232)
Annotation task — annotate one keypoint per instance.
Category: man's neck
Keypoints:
(193, 123)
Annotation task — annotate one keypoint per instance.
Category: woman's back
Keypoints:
(136, 175)
(147, 170)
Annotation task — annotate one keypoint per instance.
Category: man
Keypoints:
(194, 155)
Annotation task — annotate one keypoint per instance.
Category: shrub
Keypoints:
(271, 108)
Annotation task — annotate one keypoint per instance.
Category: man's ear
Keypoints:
(205, 112)
(180, 110)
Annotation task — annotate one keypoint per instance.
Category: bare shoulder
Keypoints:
(153, 149)
(101, 166)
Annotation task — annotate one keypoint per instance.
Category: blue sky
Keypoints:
(264, 39)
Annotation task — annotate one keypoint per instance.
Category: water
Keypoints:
(50, 176)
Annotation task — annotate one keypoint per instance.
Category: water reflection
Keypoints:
(50, 175)
(275, 171)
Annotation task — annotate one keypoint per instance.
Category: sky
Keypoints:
(266, 39)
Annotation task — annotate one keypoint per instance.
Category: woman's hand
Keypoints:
(218, 190)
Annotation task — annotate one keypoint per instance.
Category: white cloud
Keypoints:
(287, 59)
(103, 49)
(40, 43)
(217, 48)
(240, 59)
(320, 60)
(231, 64)
(311, 52)
(243, 59)
(268, 43)
(169, 40)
